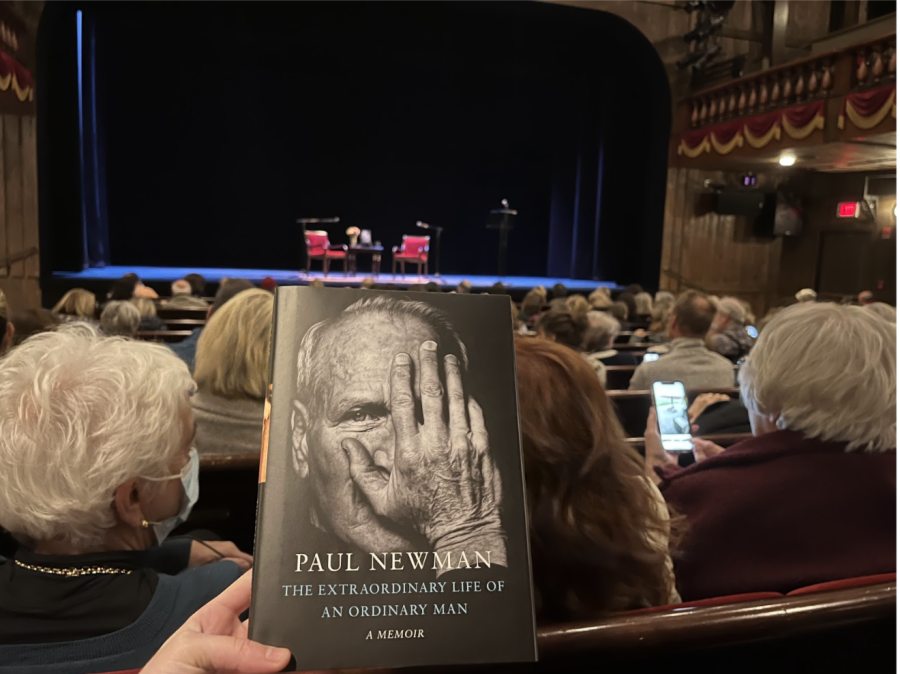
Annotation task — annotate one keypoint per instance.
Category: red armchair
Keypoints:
(318, 248)
(413, 249)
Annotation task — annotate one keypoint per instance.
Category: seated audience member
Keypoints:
(717, 413)
(198, 284)
(120, 318)
(619, 311)
(634, 288)
(599, 338)
(644, 304)
(123, 288)
(578, 306)
(600, 298)
(145, 291)
(627, 299)
(805, 295)
(728, 335)
(432, 287)
(149, 319)
(812, 496)
(864, 298)
(367, 283)
(567, 329)
(231, 373)
(886, 311)
(96, 469)
(659, 321)
(464, 287)
(531, 305)
(558, 292)
(269, 284)
(228, 288)
(32, 321)
(599, 530)
(7, 327)
(77, 304)
(688, 359)
(182, 297)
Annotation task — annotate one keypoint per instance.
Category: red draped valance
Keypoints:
(14, 74)
(798, 122)
(867, 109)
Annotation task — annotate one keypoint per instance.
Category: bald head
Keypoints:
(693, 314)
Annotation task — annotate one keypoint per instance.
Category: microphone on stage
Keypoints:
(423, 225)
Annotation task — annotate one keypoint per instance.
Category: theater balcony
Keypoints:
(834, 110)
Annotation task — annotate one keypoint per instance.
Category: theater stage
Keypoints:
(158, 277)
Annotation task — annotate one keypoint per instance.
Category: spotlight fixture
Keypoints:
(787, 160)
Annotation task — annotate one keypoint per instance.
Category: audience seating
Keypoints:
(185, 323)
(167, 336)
(181, 314)
(634, 406)
(618, 377)
(847, 583)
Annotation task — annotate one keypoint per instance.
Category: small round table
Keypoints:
(374, 251)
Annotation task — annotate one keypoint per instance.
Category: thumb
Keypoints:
(363, 472)
(212, 653)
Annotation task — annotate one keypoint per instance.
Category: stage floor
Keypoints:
(153, 275)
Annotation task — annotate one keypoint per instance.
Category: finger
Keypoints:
(651, 421)
(479, 431)
(365, 475)
(430, 387)
(403, 408)
(695, 429)
(214, 653)
(456, 398)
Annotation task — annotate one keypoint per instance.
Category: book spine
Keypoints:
(263, 458)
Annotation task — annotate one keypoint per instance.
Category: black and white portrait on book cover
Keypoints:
(393, 502)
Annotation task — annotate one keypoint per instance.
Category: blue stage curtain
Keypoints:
(575, 209)
(95, 223)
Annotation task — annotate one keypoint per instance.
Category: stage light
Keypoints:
(787, 160)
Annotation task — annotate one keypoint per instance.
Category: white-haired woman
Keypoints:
(120, 317)
(812, 496)
(96, 469)
(886, 311)
(77, 304)
(728, 334)
(599, 338)
(644, 303)
(231, 373)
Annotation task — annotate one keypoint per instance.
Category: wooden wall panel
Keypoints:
(30, 194)
(710, 251)
(12, 169)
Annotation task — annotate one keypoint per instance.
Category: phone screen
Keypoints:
(648, 357)
(752, 332)
(671, 415)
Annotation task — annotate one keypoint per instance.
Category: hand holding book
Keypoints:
(444, 483)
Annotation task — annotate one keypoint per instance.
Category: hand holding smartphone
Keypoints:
(670, 401)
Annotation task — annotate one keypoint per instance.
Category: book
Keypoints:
(391, 527)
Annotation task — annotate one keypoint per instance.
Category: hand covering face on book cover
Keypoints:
(391, 448)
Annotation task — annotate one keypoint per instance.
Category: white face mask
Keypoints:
(190, 482)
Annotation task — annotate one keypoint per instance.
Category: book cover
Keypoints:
(391, 525)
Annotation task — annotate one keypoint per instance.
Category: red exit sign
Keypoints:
(848, 209)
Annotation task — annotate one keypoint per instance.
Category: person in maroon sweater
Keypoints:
(811, 497)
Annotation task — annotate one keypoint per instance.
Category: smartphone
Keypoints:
(650, 357)
(752, 332)
(671, 405)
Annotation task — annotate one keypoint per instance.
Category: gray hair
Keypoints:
(120, 318)
(644, 302)
(886, 311)
(733, 308)
(312, 377)
(829, 372)
(80, 414)
(805, 295)
(664, 297)
(182, 287)
(602, 330)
